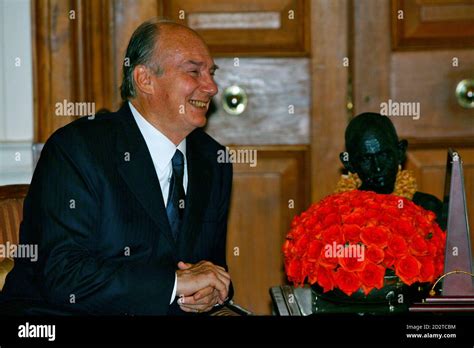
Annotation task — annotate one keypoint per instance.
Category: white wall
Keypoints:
(16, 92)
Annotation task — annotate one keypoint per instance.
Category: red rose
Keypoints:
(390, 211)
(296, 221)
(388, 260)
(386, 219)
(375, 254)
(353, 263)
(427, 270)
(407, 269)
(310, 222)
(426, 218)
(324, 210)
(418, 246)
(327, 258)
(331, 220)
(371, 214)
(301, 244)
(355, 218)
(314, 250)
(423, 221)
(310, 269)
(351, 233)
(375, 235)
(293, 270)
(348, 282)
(404, 228)
(432, 248)
(372, 276)
(371, 204)
(317, 230)
(325, 279)
(439, 266)
(332, 234)
(313, 275)
(296, 232)
(286, 247)
(344, 209)
(397, 246)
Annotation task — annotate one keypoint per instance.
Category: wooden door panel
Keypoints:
(78, 52)
(429, 167)
(260, 216)
(246, 27)
(430, 79)
(54, 64)
(127, 15)
(432, 23)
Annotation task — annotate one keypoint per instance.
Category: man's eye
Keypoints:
(194, 72)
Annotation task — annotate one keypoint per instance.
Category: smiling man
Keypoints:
(129, 209)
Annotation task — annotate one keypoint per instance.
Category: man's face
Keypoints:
(186, 87)
(375, 159)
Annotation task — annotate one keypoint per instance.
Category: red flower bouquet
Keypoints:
(349, 241)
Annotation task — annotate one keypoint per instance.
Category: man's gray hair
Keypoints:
(140, 51)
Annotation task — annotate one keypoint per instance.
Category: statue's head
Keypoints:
(373, 151)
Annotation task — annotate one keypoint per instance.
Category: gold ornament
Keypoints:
(405, 184)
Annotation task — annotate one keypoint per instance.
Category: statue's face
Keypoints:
(375, 159)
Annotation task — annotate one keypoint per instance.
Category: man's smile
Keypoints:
(199, 103)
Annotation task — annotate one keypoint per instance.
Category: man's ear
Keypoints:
(402, 150)
(344, 157)
(142, 79)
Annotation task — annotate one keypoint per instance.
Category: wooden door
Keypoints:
(417, 52)
(264, 200)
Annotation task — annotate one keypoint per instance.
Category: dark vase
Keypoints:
(394, 297)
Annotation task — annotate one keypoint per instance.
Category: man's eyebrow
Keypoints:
(214, 67)
(192, 62)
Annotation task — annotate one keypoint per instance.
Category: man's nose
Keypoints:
(209, 86)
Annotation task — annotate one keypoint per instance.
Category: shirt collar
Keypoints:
(161, 148)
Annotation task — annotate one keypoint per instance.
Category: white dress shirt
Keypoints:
(162, 151)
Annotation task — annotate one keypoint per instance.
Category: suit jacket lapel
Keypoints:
(136, 168)
(197, 195)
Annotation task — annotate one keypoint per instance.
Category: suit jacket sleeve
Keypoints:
(66, 213)
(220, 249)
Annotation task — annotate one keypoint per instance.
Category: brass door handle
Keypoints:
(465, 93)
(234, 100)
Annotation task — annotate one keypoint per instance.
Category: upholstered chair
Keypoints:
(11, 214)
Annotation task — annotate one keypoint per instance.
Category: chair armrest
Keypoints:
(6, 265)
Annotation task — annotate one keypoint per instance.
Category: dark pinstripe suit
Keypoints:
(96, 210)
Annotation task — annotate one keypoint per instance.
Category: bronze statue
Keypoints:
(375, 154)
